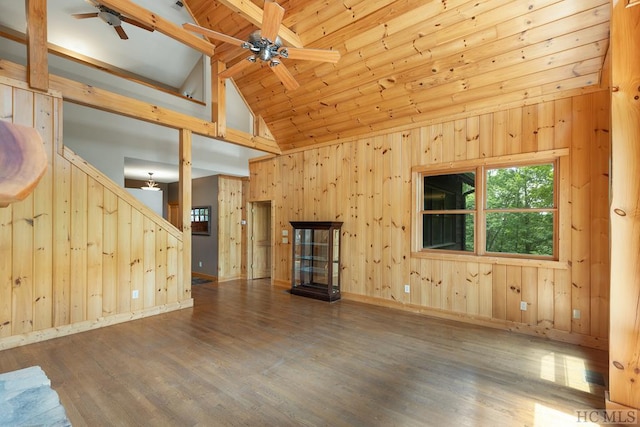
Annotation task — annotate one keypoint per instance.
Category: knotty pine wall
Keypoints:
(73, 251)
(367, 185)
(231, 232)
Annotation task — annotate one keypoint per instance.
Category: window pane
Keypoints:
(448, 231)
(520, 187)
(528, 233)
(449, 192)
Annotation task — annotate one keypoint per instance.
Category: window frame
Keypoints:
(480, 167)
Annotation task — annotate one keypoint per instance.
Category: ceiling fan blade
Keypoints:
(271, 20)
(213, 34)
(313, 54)
(85, 15)
(285, 76)
(136, 23)
(235, 69)
(120, 32)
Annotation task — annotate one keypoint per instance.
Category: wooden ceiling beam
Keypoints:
(82, 94)
(164, 26)
(253, 14)
(37, 62)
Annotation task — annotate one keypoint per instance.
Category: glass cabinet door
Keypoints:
(316, 260)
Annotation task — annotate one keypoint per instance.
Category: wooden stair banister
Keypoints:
(23, 161)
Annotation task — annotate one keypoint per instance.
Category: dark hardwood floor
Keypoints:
(248, 354)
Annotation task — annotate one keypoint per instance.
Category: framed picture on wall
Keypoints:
(201, 220)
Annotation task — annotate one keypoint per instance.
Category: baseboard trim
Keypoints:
(87, 325)
(539, 331)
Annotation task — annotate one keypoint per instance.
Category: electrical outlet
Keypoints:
(576, 313)
(523, 305)
(135, 294)
(407, 289)
(285, 240)
(199, 263)
(285, 232)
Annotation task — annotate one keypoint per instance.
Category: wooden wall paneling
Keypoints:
(95, 233)
(343, 209)
(514, 131)
(44, 122)
(229, 228)
(435, 270)
(447, 288)
(459, 286)
(124, 257)
(110, 254)
(562, 300)
(137, 259)
(545, 298)
(563, 111)
(472, 285)
(500, 133)
(485, 143)
(460, 139)
(473, 137)
(485, 292)
(185, 198)
(435, 142)
(172, 269)
(359, 259)
(325, 207)
(530, 295)
(308, 183)
(78, 294)
(149, 264)
(514, 293)
(448, 142)
(418, 286)
(530, 129)
(6, 270)
(62, 244)
(600, 265)
(380, 201)
(6, 102)
(425, 273)
(22, 266)
(402, 160)
(582, 132)
(499, 301)
(546, 123)
(161, 266)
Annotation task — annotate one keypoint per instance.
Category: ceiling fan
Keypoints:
(113, 18)
(266, 46)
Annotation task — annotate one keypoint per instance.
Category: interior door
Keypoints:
(261, 240)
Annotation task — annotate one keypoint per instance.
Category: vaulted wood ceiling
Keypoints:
(410, 61)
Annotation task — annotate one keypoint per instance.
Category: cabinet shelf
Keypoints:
(316, 260)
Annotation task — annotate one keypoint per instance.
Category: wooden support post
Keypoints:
(218, 98)
(185, 203)
(624, 335)
(37, 63)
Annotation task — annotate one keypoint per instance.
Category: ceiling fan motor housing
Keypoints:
(264, 48)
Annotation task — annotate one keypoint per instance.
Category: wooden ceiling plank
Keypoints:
(371, 109)
(254, 15)
(164, 26)
(543, 34)
(484, 62)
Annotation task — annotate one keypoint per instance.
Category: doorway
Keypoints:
(259, 240)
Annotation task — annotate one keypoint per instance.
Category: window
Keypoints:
(488, 210)
(201, 220)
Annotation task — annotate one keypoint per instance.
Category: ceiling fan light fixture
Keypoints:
(151, 185)
(274, 63)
